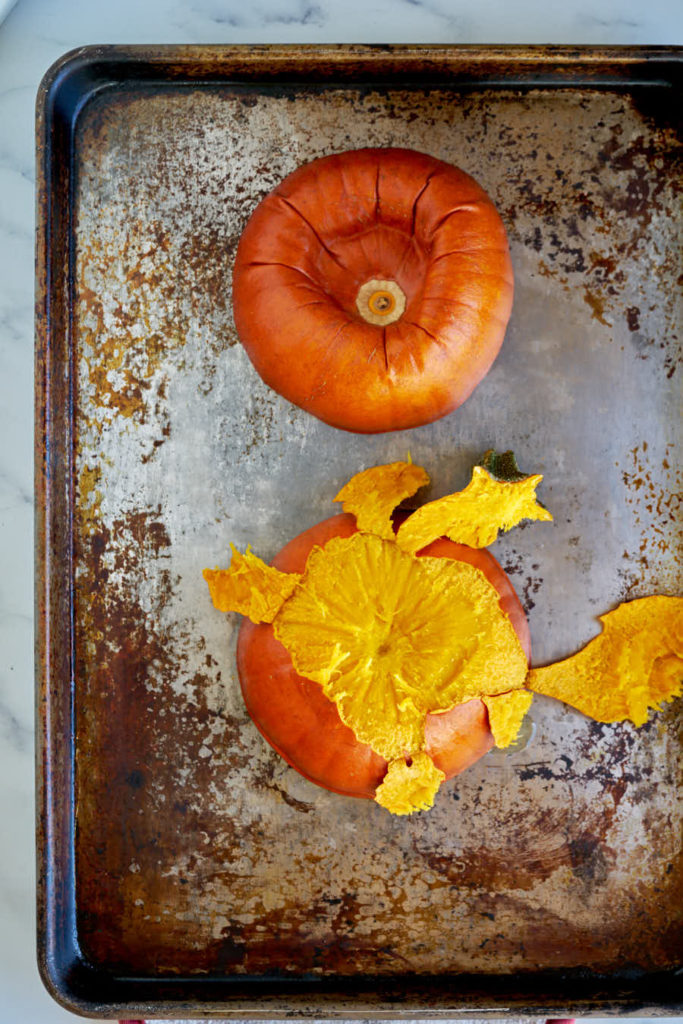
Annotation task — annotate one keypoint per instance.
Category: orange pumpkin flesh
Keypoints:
(303, 725)
(373, 288)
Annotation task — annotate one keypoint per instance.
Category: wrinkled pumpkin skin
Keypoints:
(341, 221)
(304, 727)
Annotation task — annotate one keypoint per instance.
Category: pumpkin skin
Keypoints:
(373, 215)
(303, 725)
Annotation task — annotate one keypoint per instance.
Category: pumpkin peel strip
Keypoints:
(476, 515)
(250, 587)
(633, 666)
(407, 788)
(506, 713)
(373, 494)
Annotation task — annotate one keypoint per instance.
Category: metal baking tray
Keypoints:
(183, 867)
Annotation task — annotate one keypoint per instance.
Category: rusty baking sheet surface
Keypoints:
(184, 864)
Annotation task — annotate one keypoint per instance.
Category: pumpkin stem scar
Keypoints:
(380, 302)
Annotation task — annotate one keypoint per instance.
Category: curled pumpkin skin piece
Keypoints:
(506, 714)
(402, 637)
(409, 786)
(373, 494)
(250, 587)
(476, 515)
(632, 667)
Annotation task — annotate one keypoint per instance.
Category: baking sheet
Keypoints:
(197, 853)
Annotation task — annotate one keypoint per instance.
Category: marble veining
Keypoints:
(33, 35)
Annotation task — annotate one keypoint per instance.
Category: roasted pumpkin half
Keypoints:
(373, 288)
(304, 725)
(384, 653)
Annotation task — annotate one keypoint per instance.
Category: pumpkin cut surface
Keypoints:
(392, 638)
(373, 287)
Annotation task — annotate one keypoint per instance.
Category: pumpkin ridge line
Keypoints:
(306, 221)
(377, 202)
(286, 266)
(485, 250)
(499, 276)
(471, 207)
(463, 305)
(463, 252)
(318, 387)
(417, 200)
(411, 244)
(313, 302)
(439, 341)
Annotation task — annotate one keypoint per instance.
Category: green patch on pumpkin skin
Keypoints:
(502, 465)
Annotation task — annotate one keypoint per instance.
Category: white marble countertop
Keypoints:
(32, 35)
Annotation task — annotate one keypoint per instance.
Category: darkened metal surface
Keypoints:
(183, 867)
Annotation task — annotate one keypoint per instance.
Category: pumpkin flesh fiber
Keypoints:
(427, 242)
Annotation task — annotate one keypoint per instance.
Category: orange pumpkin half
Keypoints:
(373, 288)
(304, 726)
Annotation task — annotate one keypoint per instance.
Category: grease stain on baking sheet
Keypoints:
(597, 305)
(128, 331)
(594, 221)
(655, 507)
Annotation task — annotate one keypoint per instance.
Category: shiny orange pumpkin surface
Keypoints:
(373, 288)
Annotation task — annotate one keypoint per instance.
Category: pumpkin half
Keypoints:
(373, 288)
(304, 726)
(387, 651)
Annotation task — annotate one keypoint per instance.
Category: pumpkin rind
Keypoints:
(367, 215)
